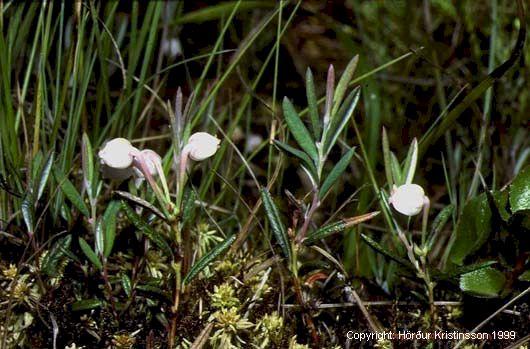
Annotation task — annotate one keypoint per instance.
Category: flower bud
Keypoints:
(202, 145)
(151, 159)
(117, 153)
(408, 199)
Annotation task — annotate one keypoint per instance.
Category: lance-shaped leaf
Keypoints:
(139, 201)
(340, 120)
(188, 206)
(70, 192)
(277, 226)
(312, 105)
(337, 227)
(44, 175)
(344, 82)
(336, 172)
(154, 289)
(86, 304)
(396, 170)
(387, 159)
(146, 229)
(306, 161)
(378, 248)
(410, 162)
(208, 258)
(89, 253)
(126, 284)
(100, 237)
(299, 131)
(28, 214)
(439, 222)
(109, 223)
(88, 165)
(54, 256)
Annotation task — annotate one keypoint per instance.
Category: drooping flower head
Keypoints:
(117, 153)
(201, 145)
(121, 160)
(408, 199)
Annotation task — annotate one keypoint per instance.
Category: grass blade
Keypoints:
(89, 253)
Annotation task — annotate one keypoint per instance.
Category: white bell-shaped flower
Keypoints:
(408, 199)
(201, 145)
(117, 153)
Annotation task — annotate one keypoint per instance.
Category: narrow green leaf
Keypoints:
(139, 201)
(442, 218)
(299, 131)
(146, 229)
(378, 248)
(276, 224)
(312, 104)
(336, 172)
(340, 120)
(86, 304)
(109, 222)
(70, 192)
(324, 232)
(411, 162)
(387, 159)
(126, 284)
(208, 258)
(486, 282)
(153, 289)
(344, 81)
(337, 227)
(520, 191)
(44, 175)
(28, 212)
(396, 170)
(56, 253)
(221, 10)
(88, 164)
(300, 155)
(89, 253)
(188, 206)
(100, 237)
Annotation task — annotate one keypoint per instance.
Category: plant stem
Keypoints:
(300, 297)
(176, 228)
(307, 218)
